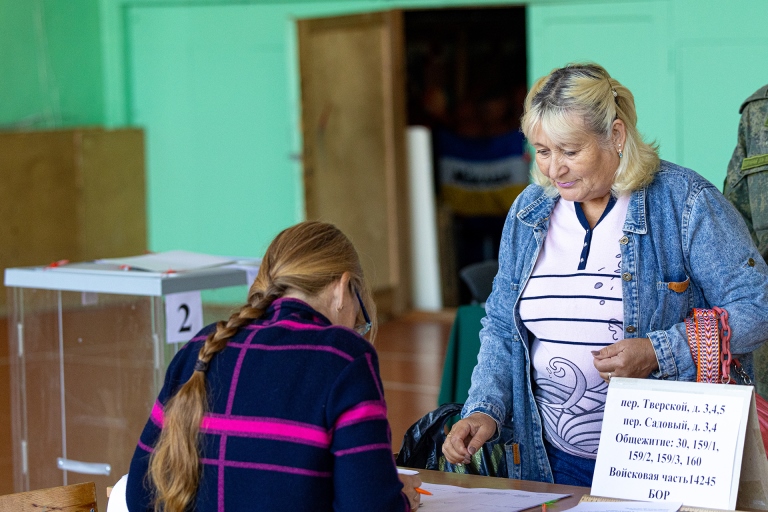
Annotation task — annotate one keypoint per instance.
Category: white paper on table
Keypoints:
(626, 506)
(177, 261)
(449, 498)
(402, 471)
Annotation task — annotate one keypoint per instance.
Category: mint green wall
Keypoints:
(50, 64)
(216, 86)
(689, 63)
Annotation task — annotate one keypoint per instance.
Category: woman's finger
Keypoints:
(454, 449)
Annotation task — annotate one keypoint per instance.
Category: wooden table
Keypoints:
(469, 481)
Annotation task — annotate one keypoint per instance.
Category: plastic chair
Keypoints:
(479, 278)
(66, 498)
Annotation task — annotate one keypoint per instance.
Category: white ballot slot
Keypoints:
(674, 442)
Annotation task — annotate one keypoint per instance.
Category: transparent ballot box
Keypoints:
(88, 352)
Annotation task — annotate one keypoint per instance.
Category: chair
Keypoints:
(479, 278)
(66, 498)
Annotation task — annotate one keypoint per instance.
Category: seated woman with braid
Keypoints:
(280, 408)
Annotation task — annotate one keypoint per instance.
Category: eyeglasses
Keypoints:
(363, 329)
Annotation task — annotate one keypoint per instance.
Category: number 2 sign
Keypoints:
(183, 316)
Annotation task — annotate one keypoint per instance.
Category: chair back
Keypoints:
(66, 498)
(479, 278)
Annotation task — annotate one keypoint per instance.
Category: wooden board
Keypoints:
(67, 498)
(74, 194)
(353, 115)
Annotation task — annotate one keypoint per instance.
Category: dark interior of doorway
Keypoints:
(466, 73)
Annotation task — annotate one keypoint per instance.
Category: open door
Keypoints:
(353, 118)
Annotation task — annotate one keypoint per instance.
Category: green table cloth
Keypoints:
(461, 356)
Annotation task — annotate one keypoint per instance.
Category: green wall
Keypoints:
(50, 64)
(689, 63)
(215, 85)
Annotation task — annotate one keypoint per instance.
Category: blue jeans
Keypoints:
(569, 469)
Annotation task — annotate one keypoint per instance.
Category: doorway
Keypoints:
(364, 78)
(466, 80)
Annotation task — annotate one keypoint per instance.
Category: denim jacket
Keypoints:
(684, 246)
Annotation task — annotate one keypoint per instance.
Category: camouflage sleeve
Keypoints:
(746, 184)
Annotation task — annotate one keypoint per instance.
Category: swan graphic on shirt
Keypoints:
(572, 304)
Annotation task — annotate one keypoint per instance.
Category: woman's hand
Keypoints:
(632, 357)
(467, 436)
(410, 483)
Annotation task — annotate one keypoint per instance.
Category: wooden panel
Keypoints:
(113, 206)
(67, 498)
(38, 199)
(71, 194)
(353, 112)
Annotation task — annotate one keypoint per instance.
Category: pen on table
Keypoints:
(422, 491)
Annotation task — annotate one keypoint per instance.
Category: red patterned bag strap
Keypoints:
(704, 340)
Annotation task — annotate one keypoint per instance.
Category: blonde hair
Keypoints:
(306, 257)
(582, 99)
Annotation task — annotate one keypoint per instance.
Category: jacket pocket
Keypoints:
(675, 300)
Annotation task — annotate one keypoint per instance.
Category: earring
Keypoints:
(621, 154)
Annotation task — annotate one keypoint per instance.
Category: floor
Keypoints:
(411, 353)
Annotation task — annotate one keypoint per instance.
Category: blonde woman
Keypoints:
(601, 260)
(281, 407)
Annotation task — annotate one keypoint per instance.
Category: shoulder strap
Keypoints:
(710, 348)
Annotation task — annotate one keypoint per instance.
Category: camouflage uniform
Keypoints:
(746, 184)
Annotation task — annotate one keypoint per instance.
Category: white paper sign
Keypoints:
(183, 316)
(672, 441)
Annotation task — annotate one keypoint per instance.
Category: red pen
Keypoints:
(422, 491)
(58, 263)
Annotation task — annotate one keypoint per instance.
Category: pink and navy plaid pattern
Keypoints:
(297, 420)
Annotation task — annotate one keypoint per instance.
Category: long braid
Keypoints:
(175, 462)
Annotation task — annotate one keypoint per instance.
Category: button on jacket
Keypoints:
(684, 246)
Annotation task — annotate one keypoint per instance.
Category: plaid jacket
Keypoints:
(297, 420)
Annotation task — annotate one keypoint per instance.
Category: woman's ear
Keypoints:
(619, 134)
(340, 289)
